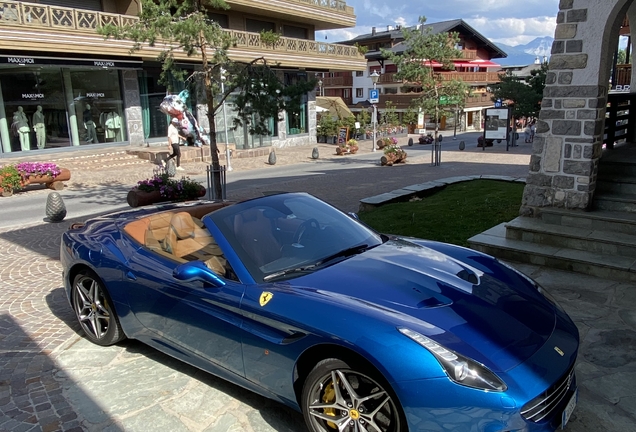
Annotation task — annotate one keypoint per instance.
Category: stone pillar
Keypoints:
(311, 120)
(132, 103)
(568, 144)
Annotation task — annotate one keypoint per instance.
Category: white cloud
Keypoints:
(514, 31)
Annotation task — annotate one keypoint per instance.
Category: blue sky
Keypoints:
(513, 22)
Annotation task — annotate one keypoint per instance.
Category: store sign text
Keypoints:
(20, 60)
(32, 96)
(94, 95)
(104, 63)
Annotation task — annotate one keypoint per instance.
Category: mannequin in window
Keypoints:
(89, 124)
(39, 127)
(20, 127)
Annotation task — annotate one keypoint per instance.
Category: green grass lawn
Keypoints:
(452, 215)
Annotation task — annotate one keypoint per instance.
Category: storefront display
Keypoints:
(45, 105)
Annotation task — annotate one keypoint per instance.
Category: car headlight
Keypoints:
(459, 368)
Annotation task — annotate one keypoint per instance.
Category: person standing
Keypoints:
(533, 130)
(173, 143)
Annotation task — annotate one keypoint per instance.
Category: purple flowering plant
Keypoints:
(38, 168)
(176, 190)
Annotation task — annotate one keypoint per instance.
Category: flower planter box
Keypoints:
(54, 183)
(137, 198)
(392, 158)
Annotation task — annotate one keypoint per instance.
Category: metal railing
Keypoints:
(619, 128)
(57, 17)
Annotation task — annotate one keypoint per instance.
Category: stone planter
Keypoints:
(6, 192)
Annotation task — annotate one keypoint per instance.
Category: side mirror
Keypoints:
(353, 215)
(197, 271)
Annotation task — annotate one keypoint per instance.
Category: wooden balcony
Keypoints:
(472, 77)
(341, 81)
(469, 77)
(37, 27)
(403, 101)
(469, 54)
(623, 75)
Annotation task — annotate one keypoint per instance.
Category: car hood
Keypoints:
(482, 313)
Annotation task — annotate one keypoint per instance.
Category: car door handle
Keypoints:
(131, 276)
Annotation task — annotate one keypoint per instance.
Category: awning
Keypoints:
(463, 64)
(432, 63)
(484, 63)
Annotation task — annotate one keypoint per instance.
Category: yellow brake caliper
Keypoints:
(329, 396)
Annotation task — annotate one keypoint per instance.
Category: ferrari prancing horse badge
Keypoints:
(265, 298)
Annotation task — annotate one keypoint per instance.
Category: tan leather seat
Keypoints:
(254, 233)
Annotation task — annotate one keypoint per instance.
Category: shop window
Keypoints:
(98, 104)
(34, 109)
(297, 119)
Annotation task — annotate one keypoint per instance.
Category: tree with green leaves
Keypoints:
(390, 116)
(184, 28)
(523, 97)
(439, 96)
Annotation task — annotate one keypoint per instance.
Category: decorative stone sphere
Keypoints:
(462, 145)
(314, 153)
(55, 207)
(272, 158)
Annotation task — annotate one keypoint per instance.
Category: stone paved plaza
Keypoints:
(52, 379)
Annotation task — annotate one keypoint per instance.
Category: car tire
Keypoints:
(326, 409)
(94, 310)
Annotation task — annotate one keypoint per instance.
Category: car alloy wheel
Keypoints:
(339, 398)
(94, 311)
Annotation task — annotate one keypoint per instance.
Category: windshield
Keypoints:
(281, 233)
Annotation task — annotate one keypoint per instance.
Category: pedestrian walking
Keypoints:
(173, 143)
(526, 132)
(533, 130)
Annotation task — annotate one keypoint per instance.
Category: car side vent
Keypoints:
(543, 405)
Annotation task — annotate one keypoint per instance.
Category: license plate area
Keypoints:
(569, 409)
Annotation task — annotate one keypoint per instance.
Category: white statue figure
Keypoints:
(39, 127)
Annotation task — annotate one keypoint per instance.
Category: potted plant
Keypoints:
(43, 172)
(327, 127)
(353, 145)
(10, 180)
(163, 188)
(393, 154)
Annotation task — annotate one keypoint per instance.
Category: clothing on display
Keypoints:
(89, 124)
(39, 127)
(111, 122)
(20, 128)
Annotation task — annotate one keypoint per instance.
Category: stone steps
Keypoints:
(615, 202)
(609, 266)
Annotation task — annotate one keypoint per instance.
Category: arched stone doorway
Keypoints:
(566, 221)
(566, 155)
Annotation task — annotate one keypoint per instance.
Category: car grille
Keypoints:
(543, 405)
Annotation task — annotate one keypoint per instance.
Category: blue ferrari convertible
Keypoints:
(293, 299)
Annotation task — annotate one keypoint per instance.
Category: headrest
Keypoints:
(250, 215)
(182, 225)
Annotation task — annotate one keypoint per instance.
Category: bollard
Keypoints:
(462, 145)
(314, 153)
(55, 207)
(272, 158)
(410, 142)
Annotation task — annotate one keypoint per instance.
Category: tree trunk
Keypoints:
(214, 150)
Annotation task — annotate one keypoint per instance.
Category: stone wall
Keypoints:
(568, 144)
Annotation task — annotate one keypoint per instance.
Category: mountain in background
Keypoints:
(521, 55)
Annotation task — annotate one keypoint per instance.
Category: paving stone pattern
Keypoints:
(52, 379)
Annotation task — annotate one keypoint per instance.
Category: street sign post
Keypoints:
(374, 96)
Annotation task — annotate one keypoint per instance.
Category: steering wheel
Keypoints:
(303, 227)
